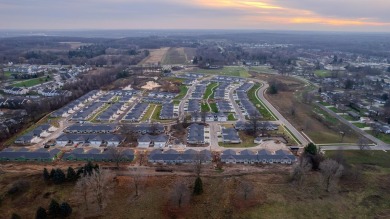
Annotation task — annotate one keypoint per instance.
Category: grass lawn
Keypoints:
(247, 141)
(379, 158)
(383, 137)
(156, 114)
(214, 107)
(204, 107)
(176, 102)
(227, 70)
(148, 113)
(334, 109)
(183, 92)
(210, 90)
(31, 82)
(262, 69)
(348, 117)
(104, 108)
(7, 74)
(231, 117)
(322, 73)
(325, 103)
(262, 108)
(360, 125)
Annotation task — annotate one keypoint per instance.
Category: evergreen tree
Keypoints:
(54, 208)
(71, 174)
(46, 175)
(198, 188)
(65, 210)
(59, 176)
(273, 89)
(41, 213)
(311, 149)
(52, 172)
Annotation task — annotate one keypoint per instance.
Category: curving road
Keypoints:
(293, 130)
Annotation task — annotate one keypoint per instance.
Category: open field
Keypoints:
(155, 56)
(272, 196)
(227, 71)
(377, 158)
(31, 82)
(322, 73)
(214, 107)
(321, 127)
(175, 56)
(262, 69)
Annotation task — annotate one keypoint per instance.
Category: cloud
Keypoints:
(200, 14)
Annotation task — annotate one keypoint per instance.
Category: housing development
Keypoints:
(185, 125)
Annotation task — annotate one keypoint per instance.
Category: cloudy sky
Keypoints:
(335, 15)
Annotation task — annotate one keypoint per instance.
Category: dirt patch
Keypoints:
(150, 85)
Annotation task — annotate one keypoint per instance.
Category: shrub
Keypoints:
(41, 213)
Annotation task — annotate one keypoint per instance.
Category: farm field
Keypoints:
(314, 122)
(227, 71)
(175, 56)
(155, 56)
(31, 82)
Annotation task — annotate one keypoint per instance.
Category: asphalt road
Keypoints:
(282, 120)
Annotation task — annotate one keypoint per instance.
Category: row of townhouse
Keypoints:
(208, 117)
(87, 112)
(136, 113)
(15, 90)
(222, 91)
(35, 135)
(230, 136)
(243, 126)
(261, 156)
(156, 141)
(49, 155)
(192, 105)
(198, 91)
(224, 106)
(175, 157)
(246, 105)
(54, 93)
(76, 105)
(91, 128)
(97, 155)
(168, 111)
(112, 112)
(228, 79)
(93, 140)
(196, 134)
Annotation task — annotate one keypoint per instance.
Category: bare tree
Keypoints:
(245, 189)
(100, 183)
(180, 193)
(254, 121)
(129, 132)
(137, 175)
(300, 170)
(199, 160)
(331, 171)
(82, 189)
(363, 143)
(116, 154)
